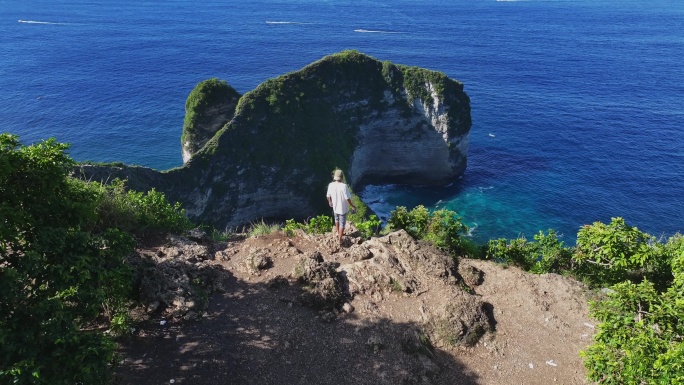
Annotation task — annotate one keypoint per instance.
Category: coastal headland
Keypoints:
(269, 153)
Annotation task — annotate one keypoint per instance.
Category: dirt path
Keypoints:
(257, 332)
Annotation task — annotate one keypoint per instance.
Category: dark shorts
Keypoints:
(341, 219)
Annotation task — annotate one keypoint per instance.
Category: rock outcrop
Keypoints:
(209, 107)
(272, 159)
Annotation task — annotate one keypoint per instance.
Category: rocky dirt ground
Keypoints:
(307, 310)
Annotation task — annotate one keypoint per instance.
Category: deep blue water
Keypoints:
(578, 106)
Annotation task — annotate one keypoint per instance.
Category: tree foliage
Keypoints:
(543, 255)
(443, 228)
(62, 266)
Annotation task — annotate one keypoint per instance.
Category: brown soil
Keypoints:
(255, 330)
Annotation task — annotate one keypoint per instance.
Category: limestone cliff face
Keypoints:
(422, 149)
(378, 121)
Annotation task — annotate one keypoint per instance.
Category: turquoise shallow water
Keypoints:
(578, 106)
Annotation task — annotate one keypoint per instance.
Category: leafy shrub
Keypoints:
(369, 227)
(138, 212)
(472, 249)
(414, 222)
(546, 254)
(518, 252)
(56, 275)
(607, 254)
(63, 274)
(553, 256)
(320, 225)
(443, 228)
(290, 227)
(641, 336)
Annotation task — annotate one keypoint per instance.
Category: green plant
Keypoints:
(543, 255)
(369, 227)
(472, 249)
(640, 338)
(518, 252)
(58, 270)
(641, 335)
(414, 222)
(320, 225)
(607, 254)
(395, 285)
(290, 227)
(120, 324)
(137, 212)
(443, 228)
(262, 228)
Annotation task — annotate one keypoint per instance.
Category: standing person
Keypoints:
(339, 198)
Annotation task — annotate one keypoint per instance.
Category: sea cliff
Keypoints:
(271, 156)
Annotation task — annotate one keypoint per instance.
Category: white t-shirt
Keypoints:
(339, 193)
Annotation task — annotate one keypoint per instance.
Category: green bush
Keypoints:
(415, 222)
(546, 254)
(607, 254)
(63, 275)
(640, 339)
(290, 227)
(369, 227)
(137, 212)
(56, 275)
(518, 252)
(319, 225)
(443, 228)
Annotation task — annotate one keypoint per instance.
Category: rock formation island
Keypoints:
(269, 153)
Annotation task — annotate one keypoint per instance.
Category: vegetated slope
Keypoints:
(306, 310)
(378, 121)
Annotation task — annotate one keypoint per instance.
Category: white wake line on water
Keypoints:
(287, 22)
(374, 31)
(40, 22)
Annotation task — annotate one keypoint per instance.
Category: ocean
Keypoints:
(577, 105)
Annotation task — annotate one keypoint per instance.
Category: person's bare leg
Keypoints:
(340, 231)
(337, 229)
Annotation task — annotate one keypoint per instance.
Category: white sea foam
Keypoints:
(374, 31)
(471, 230)
(39, 22)
(286, 22)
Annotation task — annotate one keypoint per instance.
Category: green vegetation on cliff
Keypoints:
(63, 275)
(303, 121)
(206, 95)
